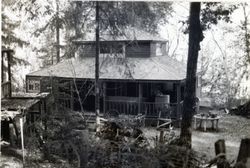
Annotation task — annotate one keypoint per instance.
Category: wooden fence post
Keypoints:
(220, 148)
(244, 152)
(161, 140)
(220, 151)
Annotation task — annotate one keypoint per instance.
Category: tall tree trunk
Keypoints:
(246, 38)
(97, 88)
(189, 106)
(57, 33)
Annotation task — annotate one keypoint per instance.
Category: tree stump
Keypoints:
(244, 152)
(220, 148)
(220, 151)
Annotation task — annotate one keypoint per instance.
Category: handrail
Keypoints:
(129, 101)
(132, 107)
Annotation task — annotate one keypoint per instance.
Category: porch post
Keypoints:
(71, 96)
(178, 90)
(45, 115)
(9, 72)
(140, 94)
(104, 96)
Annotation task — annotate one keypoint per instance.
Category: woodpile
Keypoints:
(118, 132)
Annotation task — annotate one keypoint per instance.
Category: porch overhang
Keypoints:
(19, 103)
(10, 108)
(158, 69)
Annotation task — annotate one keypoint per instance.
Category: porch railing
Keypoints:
(121, 107)
(150, 109)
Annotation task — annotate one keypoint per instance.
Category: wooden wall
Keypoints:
(140, 49)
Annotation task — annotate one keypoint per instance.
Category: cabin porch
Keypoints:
(143, 97)
(129, 97)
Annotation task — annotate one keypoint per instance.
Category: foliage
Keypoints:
(225, 68)
(124, 146)
(11, 40)
(8, 36)
(114, 16)
(213, 12)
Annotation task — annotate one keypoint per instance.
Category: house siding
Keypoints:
(46, 84)
(141, 49)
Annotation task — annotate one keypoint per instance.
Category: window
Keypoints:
(138, 50)
(108, 48)
(105, 48)
(160, 47)
(33, 85)
(117, 48)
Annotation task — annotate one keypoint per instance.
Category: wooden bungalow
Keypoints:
(136, 75)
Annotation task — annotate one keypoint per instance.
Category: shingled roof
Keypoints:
(153, 68)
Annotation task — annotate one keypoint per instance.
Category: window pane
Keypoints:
(105, 49)
(117, 48)
(37, 86)
(31, 87)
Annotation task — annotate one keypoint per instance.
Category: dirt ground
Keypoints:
(231, 128)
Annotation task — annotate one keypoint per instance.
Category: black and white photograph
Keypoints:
(125, 84)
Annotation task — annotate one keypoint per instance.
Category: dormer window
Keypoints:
(138, 49)
(106, 49)
(122, 49)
